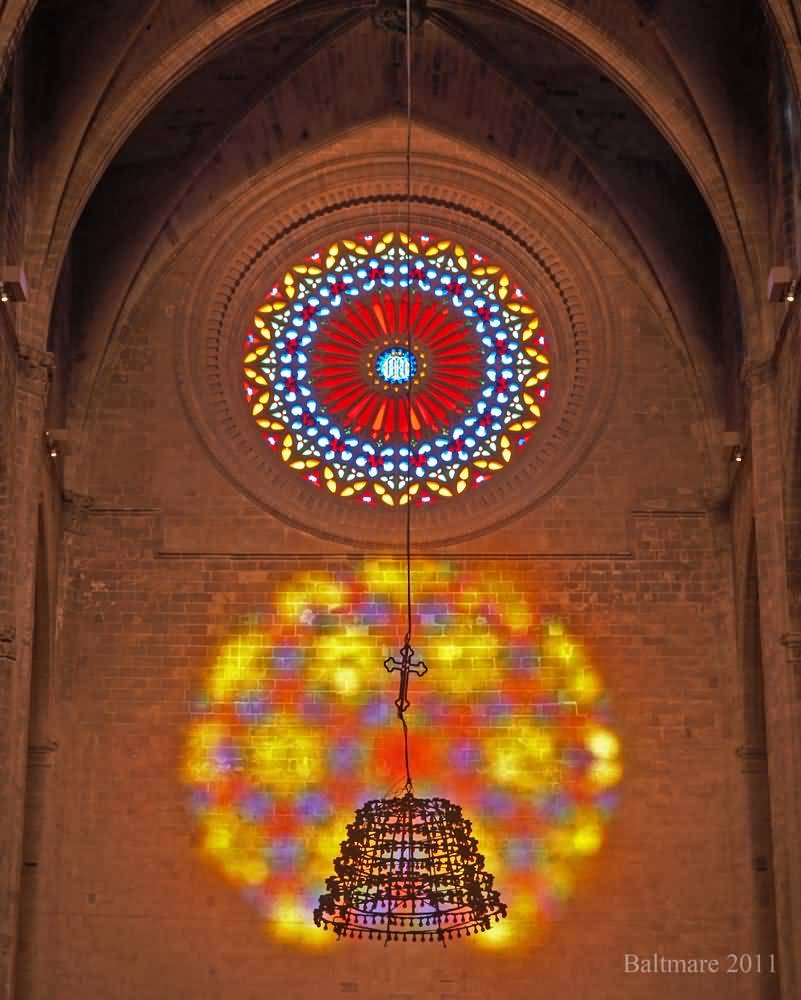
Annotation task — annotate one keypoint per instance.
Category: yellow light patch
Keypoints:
(602, 743)
(605, 773)
(320, 590)
(342, 662)
(524, 760)
(588, 839)
(285, 757)
(586, 686)
(290, 922)
(239, 667)
(199, 765)
(237, 847)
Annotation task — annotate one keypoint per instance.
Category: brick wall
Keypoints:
(154, 887)
(149, 904)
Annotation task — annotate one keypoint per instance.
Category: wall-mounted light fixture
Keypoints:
(57, 441)
(732, 440)
(781, 284)
(13, 283)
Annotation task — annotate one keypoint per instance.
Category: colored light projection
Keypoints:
(294, 728)
(327, 368)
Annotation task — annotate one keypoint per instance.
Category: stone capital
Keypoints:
(792, 643)
(753, 758)
(34, 369)
(41, 754)
(756, 373)
(8, 643)
(76, 506)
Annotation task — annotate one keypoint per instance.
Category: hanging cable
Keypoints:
(412, 441)
(407, 651)
(407, 664)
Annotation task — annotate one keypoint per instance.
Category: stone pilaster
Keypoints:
(32, 379)
(781, 681)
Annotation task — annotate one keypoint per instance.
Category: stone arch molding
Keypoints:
(135, 92)
(542, 254)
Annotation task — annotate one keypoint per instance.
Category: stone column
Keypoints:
(8, 629)
(26, 417)
(782, 689)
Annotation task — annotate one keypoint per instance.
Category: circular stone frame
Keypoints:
(219, 311)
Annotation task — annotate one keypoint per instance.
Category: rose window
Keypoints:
(396, 368)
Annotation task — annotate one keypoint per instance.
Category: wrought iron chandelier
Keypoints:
(410, 868)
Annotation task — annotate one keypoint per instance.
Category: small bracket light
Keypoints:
(13, 283)
(781, 284)
(733, 441)
(57, 440)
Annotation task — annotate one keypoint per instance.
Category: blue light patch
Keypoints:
(396, 365)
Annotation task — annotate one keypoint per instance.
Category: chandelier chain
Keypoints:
(412, 442)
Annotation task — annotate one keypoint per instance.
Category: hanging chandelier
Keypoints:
(410, 868)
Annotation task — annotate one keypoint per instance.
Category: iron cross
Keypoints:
(406, 665)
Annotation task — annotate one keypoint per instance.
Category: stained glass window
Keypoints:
(329, 361)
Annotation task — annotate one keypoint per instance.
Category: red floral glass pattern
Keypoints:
(447, 371)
